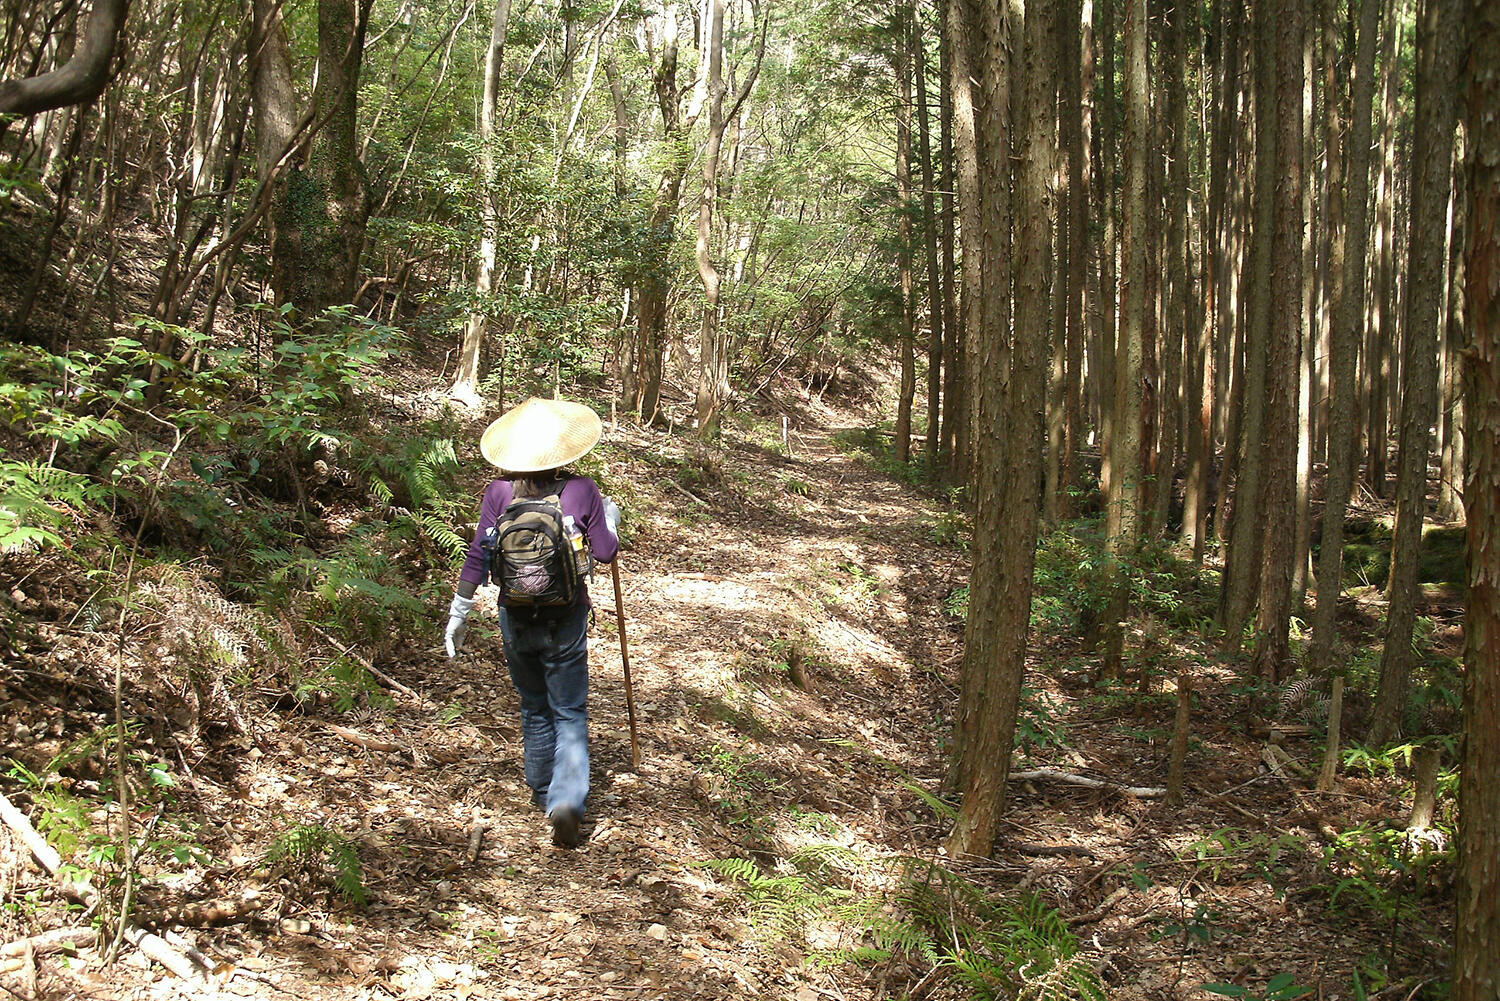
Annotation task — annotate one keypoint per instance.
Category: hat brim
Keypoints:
(539, 435)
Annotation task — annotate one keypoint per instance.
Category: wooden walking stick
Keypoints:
(635, 747)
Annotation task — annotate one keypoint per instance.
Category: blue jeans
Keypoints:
(548, 659)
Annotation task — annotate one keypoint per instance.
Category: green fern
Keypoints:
(307, 847)
(993, 946)
(35, 500)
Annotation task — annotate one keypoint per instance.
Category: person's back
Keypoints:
(546, 641)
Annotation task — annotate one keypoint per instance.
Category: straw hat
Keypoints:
(540, 435)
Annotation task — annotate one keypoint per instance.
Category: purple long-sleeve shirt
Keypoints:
(580, 498)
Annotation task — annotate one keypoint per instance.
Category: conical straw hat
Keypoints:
(540, 435)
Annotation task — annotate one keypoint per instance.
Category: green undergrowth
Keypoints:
(1074, 573)
(278, 466)
(1367, 555)
(835, 905)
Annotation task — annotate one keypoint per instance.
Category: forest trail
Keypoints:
(775, 608)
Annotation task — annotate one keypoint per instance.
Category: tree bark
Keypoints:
(1382, 332)
(1011, 396)
(1348, 271)
(930, 245)
(1450, 486)
(79, 80)
(1123, 515)
(961, 46)
(1476, 966)
(1243, 560)
(954, 443)
(907, 348)
(466, 382)
(1283, 372)
(713, 369)
(1106, 202)
(1177, 288)
(330, 200)
(1439, 26)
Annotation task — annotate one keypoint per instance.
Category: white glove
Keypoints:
(458, 623)
(612, 515)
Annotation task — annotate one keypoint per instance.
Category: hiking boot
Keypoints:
(565, 823)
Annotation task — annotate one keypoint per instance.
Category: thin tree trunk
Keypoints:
(1351, 242)
(930, 245)
(1178, 286)
(1075, 76)
(1107, 348)
(1123, 517)
(954, 443)
(908, 387)
(1382, 333)
(1438, 47)
(710, 370)
(966, 97)
(1243, 561)
(466, 381)
(1450, 486)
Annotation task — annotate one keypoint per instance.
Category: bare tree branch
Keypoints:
(80, 79)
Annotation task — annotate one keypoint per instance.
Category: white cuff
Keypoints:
(461, 607)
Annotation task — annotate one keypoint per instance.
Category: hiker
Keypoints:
(539, 525)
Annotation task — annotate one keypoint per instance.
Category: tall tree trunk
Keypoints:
(332, 196)
(1243, 562)
(1007, 476)
(930, 248)
(984, 30)
(1351, 241)
(1439, 25)
(1178, 286)
(653, 265)
(712, 367)
(1382, 331)
(1106, 202)
(908, 388)
(954, 441)
(274, 98)
(1073, 137)
(1228, 244)
(1450, 486)
(1308, 355)
(960, 23)
(1278, 514)
(1123, 515)
(466, 382)
(1476, 964)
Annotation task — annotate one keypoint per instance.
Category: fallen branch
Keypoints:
(476, 838)
(1030, 848)
(367, 742)
(52, 941)
(151, 946)
(1052, 774)
(690, 496)
(369, 665)
(1089, 917)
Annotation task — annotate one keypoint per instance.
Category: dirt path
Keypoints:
(778, 609)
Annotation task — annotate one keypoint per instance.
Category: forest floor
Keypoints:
(795, 644)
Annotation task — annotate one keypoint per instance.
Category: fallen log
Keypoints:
(1053, 775)
(52, 941)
